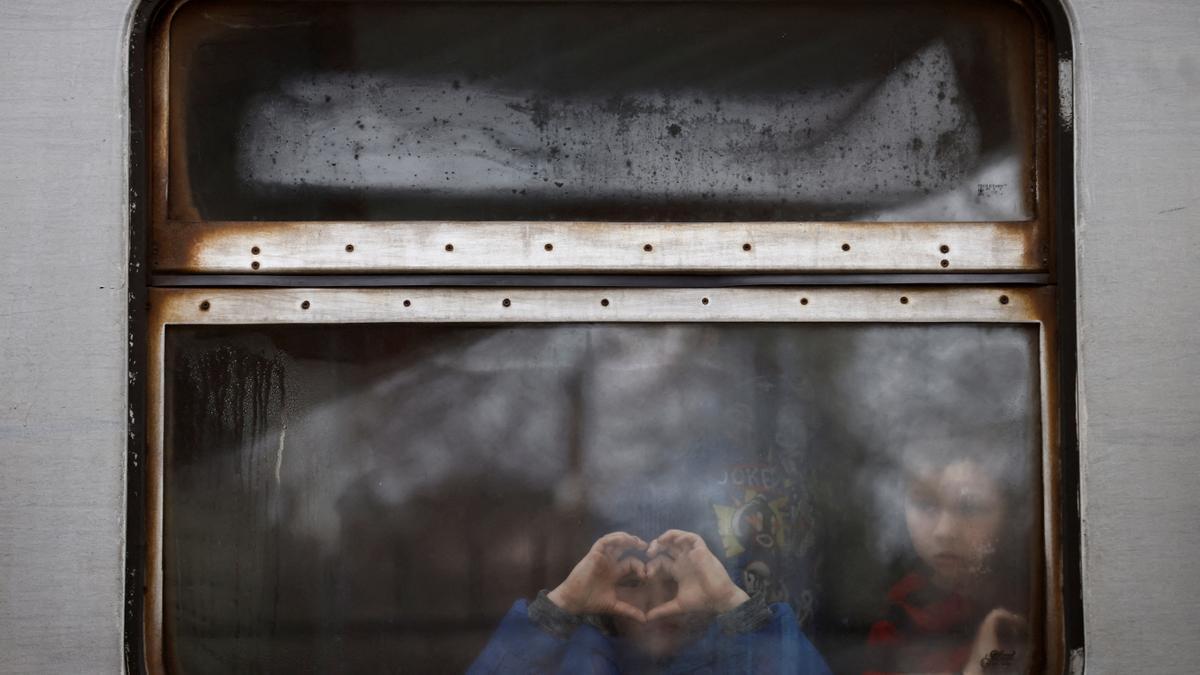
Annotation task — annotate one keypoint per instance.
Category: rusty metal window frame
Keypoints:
(358, 247)
(1029, 262)
(852, 305)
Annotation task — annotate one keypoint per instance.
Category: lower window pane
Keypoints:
(375, 498)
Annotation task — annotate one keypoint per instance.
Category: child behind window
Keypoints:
(961, 609)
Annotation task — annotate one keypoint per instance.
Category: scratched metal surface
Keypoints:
(62, 333)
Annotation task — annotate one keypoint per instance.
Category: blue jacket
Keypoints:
(520, 645)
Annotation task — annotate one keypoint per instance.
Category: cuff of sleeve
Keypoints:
(746, 617)
(551, 618)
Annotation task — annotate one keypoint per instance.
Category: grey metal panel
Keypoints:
(1138, 117)
(62, 332)
(62, 335)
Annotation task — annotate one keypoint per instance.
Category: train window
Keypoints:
(422, 396)
(559, 136)
(357, 477)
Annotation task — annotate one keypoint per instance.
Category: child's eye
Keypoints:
(923, 503)
(970, 508)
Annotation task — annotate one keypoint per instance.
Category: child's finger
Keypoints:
(632, 565)
(653, 549)
(679, 540)
(617, 542)
(672, 535)
(669, 608)
(661, 565)
(663, 542)
(611, 537)
(629, 611)
(1011, 628)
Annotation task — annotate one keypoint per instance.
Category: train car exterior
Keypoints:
(72, 349)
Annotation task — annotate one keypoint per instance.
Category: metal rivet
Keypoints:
(746, 246)
(204, 306)
(944, 248)
(506, 302)
(845, 247)
(604, 302)
(449, 247)
(408, 303)
(704, 301)
(254, 265)
(1004, 299)
(304, 305)
(904, 299)
(549, 247)
(945, 263)
(349, 248)
(804, 301)
(254, 250)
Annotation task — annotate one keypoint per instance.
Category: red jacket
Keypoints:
(926, 630)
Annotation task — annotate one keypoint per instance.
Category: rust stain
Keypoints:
(152, 619)
(192, 247)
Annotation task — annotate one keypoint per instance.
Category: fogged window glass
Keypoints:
(433, 498)
(687, 111)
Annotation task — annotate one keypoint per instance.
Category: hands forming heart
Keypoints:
(704, 585)
(702, 582)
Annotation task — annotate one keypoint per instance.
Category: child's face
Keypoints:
(661, 637)
(955, 514)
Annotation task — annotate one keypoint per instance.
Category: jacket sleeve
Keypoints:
(765, 639)
(518, 646)
(537, 637)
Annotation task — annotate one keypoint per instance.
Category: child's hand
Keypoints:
(999, 645)
(704, 585)
(591, 588)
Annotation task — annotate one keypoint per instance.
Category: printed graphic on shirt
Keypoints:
(766, 529)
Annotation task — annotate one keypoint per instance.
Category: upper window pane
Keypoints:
(673, 111)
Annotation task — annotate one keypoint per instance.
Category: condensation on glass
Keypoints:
(367, 498)
(635, 111)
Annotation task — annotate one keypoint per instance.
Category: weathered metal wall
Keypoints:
(63, 304)
(1138, 121)
(63, 338)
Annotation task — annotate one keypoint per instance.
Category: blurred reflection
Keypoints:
(359, 498)
(686, 111)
